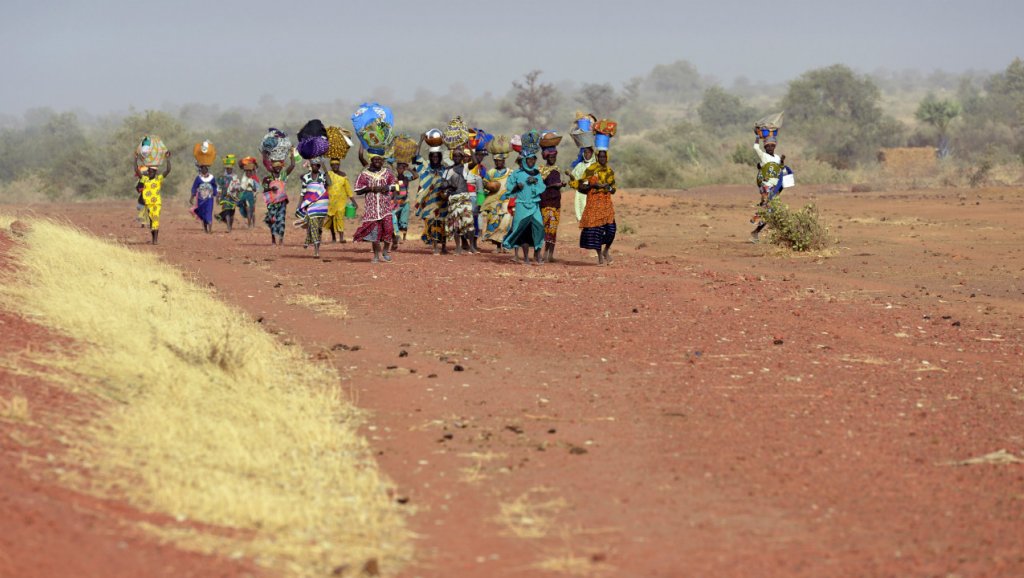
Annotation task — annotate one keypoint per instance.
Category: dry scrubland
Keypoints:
(250, 445)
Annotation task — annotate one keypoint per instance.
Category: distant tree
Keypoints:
(600, 99)
(676, 82)
(993, 115)
(838, 112)
(532, 100)
(938, 113)
(720, 110)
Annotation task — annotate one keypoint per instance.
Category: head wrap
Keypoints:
(500, 156)
(581, 159)
(549, 151)
(770, 140)
(229, 160)
(436, 149)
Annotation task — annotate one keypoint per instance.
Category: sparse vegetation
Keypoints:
(797, 230)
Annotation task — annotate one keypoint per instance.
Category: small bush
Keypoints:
(797, 230)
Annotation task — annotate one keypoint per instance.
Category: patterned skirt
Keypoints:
(247, 204)
(153, 203)
(379, 231)
(499, 221)
(550, 216)
(276, 218)
(460, 214)
(596, 237)
(314, 228)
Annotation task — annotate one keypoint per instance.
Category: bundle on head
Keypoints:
(311, 129)
(606, 127)
(339, 141)
(374, 125)
(276, 145)
(151, 152)
(583, 139)
(456, 133)
(531, 142)
(499, 145)
(550, 139)
(204, 152)
(405, 149)
(313, 147)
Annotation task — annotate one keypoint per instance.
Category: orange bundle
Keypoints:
(605, 126)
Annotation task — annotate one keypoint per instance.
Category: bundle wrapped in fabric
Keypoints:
(433, 137)
(550, 139)
(405, 149)
(151, 152)
(499, 145)
(312, 129)
(583, 139)
(531, 142)
(247, 163)
(313, 147)
(276, 145)
(606, 127)
(456, 133)
(479, 140)
(374, 125)
(339, 141)
(205, 153)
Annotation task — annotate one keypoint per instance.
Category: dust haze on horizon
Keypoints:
(111, 55)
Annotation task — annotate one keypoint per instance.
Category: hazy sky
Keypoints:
(107, 55)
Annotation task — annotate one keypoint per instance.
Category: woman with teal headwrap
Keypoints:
(526, 186)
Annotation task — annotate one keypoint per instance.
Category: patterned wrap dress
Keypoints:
(495, 211)
(433, 207)
(377, 226)
(204, 193)
(597, 223)
(275, 195)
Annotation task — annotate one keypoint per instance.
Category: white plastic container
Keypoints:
(788, 181)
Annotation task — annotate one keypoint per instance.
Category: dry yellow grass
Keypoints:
(15, 409)
(219, 424)
(532, 514)
(320, 304)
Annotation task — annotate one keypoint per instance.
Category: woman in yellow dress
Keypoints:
(151, 184)
(340, 192)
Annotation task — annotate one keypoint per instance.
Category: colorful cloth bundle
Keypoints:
(479, 139)
(404, 149)
(312, 140)
(530, 143)
(374, 125)
(205, 153)
(606, 127)
(276, 145)
(339, 141)
(151, 152)
(456, 133)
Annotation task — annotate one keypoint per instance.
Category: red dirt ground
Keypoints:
(702, 407)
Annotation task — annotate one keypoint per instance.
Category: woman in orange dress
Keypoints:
(598, 220)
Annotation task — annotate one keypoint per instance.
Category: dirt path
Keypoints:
(702, 407)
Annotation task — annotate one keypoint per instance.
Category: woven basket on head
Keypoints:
(405, 149)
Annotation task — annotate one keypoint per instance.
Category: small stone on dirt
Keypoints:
(402, 500)
(403, 353)
(356, 348)
(514, 429)
(339, 347)
(778, 342)
(458, 368)
(577, 450)
(371, 568)
(552, 431)
(432, 376)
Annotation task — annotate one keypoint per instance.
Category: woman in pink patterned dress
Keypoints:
(377, 183)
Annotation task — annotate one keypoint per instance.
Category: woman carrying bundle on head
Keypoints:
(527, 186)
(151, 183)
(204, 194)
(276, 197)
(376, 183)
(340, 191)
(597, 223)
(432, 201)
(495, 211)
(249, 185)
(229, 187)
(315, 203)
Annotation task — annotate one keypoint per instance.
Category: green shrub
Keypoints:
(797, 230)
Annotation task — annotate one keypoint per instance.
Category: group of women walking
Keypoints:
(459, 199)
